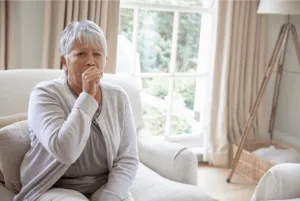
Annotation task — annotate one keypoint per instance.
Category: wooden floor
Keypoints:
(213, 181)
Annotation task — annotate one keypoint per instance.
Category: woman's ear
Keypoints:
(105, 61)
(64, 63)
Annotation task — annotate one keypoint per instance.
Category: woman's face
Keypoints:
(80, 58)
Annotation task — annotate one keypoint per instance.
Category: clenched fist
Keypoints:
(90, 80)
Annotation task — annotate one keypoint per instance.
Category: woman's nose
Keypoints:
(90, 61)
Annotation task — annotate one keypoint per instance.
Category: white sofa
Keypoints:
(280, 183)
(167, 171)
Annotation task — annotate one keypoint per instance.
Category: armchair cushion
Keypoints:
(170, 160)
(281, 182)
(14, 141)
(7, 120)
(150, 186)
(296, 199)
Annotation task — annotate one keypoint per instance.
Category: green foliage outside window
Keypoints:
(155, 30)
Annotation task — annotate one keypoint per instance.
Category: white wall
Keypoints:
(27, 33)
(287, 124)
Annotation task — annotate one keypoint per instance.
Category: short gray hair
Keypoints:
(86, 32)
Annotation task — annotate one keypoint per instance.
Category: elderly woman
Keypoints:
(83, 138)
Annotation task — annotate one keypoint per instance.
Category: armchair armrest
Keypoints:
(281, 182)
(170, 160)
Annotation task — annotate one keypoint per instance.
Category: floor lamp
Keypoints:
(283, 7)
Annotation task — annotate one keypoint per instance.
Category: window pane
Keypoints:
(125, 51)
(154, 94)
(154, 40)
(126, 23)
(183, 118)
(188, 42)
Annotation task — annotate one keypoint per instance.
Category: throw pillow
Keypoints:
(278, 156)
(14, 141)
(7, 120)
(10, 119)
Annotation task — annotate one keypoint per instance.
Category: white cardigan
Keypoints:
(60, 126)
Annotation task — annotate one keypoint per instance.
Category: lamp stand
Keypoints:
(279, 50)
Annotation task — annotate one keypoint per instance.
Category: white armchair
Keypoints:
(172, 161)
(167, 172)
(281, 183)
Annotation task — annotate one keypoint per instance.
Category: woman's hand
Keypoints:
(90, 80)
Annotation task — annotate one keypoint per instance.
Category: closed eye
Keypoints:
(98, 54)
(80, 53)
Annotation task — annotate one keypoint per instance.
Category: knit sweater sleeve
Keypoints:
(63, 135)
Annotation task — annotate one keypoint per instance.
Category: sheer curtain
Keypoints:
(239, 68)
(59, 13)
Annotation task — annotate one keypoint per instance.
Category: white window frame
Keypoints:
(192, 140)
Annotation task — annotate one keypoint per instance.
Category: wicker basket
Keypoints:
(251, 166)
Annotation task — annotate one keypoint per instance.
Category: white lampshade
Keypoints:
(283, 7)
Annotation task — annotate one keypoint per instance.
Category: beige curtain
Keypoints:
(59, 13)
(2, 35)
(239, 68)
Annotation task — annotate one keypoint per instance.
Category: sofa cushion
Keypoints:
(14, 141)
(7, 120)
(150, 186)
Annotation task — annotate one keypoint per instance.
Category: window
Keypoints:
(167, 45)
